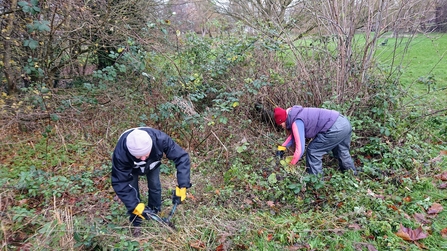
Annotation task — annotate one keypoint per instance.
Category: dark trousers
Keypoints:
(154, 196)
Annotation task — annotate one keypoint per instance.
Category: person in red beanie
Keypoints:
(328, 129)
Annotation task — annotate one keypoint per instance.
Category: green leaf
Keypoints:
(272, 178)
(241, 149)
(43, 26)
(292, 186)
(31, 43)
(77, 237)
(88, 86)
(29, 7)
(22, 4)
(122, 68)
(39, 26)
(223, 120)
(27, 69)
(54, 117)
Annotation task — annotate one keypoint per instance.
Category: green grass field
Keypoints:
(425, 56)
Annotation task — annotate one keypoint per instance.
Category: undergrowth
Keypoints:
(59, 195)
(57, 144)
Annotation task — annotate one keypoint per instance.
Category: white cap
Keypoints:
(139, 143)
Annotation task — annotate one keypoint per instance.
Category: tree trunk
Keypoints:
(8, 68)
(441, 18)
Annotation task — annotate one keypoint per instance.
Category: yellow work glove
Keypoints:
(280, 152)
(139, 210)
(178, 195)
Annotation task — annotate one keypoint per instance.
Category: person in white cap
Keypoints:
(139, 152)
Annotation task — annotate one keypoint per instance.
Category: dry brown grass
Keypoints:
(96, 128)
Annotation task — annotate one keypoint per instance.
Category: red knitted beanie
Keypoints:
(280, 115)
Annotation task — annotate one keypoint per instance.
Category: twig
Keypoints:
(219, 140)
(69, 102)
(107, 131)
(226, 150)
(62, 137)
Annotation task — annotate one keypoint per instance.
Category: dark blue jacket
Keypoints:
(123, 164)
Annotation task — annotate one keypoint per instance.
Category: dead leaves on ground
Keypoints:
(414, 235)
(423, 219)
(197, 245)
(409, 234)
(435, 208)
(443, 178)
(444, 233)
(362, 245)
(438, 158)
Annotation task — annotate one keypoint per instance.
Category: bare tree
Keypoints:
(441, 16)
(7, 26)
(260, 15)
(198, 16)
(354, 27)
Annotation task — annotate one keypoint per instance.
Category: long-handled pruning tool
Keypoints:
(166, 221)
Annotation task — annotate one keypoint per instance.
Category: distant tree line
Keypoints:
(51, 41)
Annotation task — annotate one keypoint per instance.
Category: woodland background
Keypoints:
(76, 74)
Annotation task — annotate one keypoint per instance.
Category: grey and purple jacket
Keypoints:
(305, 123)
